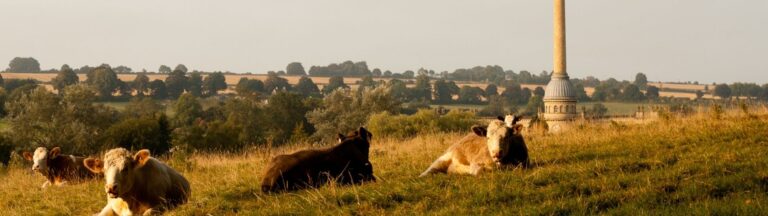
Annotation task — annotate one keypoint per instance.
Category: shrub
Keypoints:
(141, 133)
(424, 121)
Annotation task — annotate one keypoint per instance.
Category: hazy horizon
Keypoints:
(679, 40)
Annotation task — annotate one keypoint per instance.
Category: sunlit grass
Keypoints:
(681, 166)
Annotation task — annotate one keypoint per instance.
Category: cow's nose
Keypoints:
(111, 189)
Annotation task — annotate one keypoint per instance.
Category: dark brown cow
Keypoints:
(58, 168)
(345, 163)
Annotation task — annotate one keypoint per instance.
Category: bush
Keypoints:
(424, 121)
(141, 133)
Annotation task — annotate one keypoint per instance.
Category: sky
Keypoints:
(668, 40)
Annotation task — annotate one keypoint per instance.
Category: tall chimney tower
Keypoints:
(559, 96)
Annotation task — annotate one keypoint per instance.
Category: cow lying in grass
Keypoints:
(57, 168)
(138, 184)
(487, 148)
(345, 163)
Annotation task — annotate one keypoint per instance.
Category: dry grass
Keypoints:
(680, 166)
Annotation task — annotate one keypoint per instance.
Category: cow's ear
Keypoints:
(341, 137)
(363, 133)
(141, 157)
(480, 131)
(517, 128)
(500, 118)
(94, 165)
(27, 155)
(55, 152)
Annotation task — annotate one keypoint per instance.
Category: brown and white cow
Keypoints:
(57, 168)
(138, 184)
(344, 163)
(487, 148)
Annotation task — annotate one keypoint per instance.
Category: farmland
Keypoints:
(692, 165)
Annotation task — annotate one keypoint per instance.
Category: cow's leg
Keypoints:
(440, 165)
(458, 168)
(106, 211)
(46, 184)
(475, 169)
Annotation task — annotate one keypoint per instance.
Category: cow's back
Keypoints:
(161, 184)
(471, 149)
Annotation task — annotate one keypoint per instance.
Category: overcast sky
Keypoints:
(669, 40)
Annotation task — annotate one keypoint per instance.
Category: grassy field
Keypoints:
(682, 166)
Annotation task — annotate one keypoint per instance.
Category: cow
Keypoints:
(498, 145)
(345, 163)
(138, 183)
(58, 169)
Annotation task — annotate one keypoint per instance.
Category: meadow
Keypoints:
(697, 165)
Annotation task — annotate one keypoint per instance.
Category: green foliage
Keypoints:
(143, 107)
(366, 83)
(146, 132)
(723, 91)
(24, 65)
(275, 83)
(104, 80)
(641, 81)
(164, 69)
(214, 83)
(385, 124)
(176, 83)
(495, 107)
(141, 84)
(445, 90)
(423, 89)
(307, 87)
(598, 110)
(195, 84)
(348, 68)
(652, 92)
(64, 78)
(295, 69)
(158, 89)
(535, 104)
(286, 110)
(335, 82)
(182, 68)
(187, 110)
(345, 111)
(249, 87)
(632, 93)
(470, 95)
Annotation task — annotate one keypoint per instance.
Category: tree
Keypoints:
(276, 83)
(581, 94)
(366, 83)
(387, 74)
(535, 104)
(376, 72)
(335, 82)
(195, 84)
(64, 78)
(148, 132)
(24, 65)
(539, 91)
(632, 93)
(699, 94)
(723, 91)
(295, 69)
(249, 87)
(164, 69)
(641, 81)
(214, 83)
(444, 91)
(423, 88)
(143, 107)
(652, 92)
(286, 110)
(181, 67)
(408, 74)
(104, 80)
(513, 94)
(122, 69)
(187, 110)
(140, 84)
(346, 111)
(307, 87)
(158, 89)
(598, 110)
(176, 83)
(470, 95)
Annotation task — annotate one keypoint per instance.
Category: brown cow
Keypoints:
(138, 184)
(345, 163)
(57, 168)
(499, 144)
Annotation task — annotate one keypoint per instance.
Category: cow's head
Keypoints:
(499, 137)
(40, 158)
(119, 167)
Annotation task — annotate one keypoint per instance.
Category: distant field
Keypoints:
(232, 80)
(688, 166)
(615, 108)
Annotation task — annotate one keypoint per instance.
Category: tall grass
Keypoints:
(678, 166)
